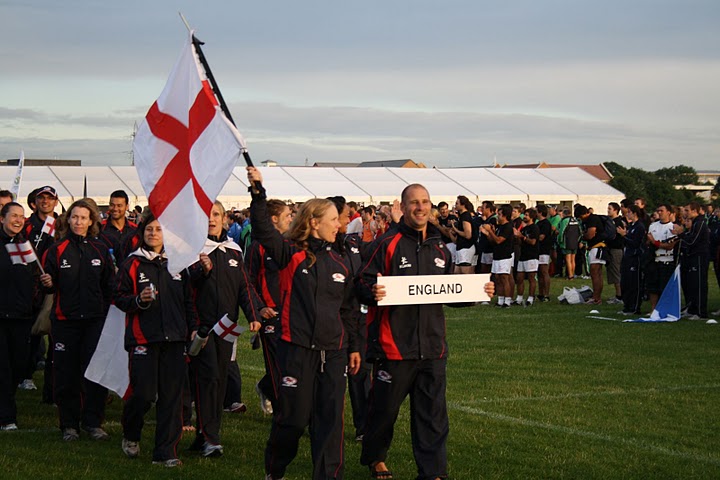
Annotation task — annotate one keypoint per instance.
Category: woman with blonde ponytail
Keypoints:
(317, 332)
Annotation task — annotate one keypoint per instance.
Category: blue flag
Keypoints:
(668, 307)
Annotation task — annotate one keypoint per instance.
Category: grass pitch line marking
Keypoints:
(581, 433)
(604, 318)
(646, 391)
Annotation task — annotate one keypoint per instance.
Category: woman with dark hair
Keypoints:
(466, 257)
(264, 275)
(160, 318)
(79, 271)
(19, 297)
(318, 331)
(222, 287)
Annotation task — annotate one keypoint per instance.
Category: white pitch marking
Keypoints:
(647, 391)
(582, 433)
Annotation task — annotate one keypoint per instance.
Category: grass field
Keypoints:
(543, 392)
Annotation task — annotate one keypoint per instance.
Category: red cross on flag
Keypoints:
(185, 150)
(49, 226)
(21, 253)
(227, 329)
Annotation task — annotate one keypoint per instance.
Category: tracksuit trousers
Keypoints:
(209, 373)
(425, 381)
(14, 338)
(157, 370)
(359, 392)
(630, 283)
(269, 335)
(77, 398)
(311, 392)
(694, 279)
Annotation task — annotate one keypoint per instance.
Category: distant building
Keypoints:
(406, 163)
(42, 162)
(598, 171)
(269, 163)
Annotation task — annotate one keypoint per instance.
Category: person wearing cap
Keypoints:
(45, 200)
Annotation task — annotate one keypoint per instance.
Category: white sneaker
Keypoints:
(173, 462)
(693, 317)
(210, 450)
(8, 427)
(27, 384)
(265, 403)
(716, 312)
(236, 407)
(130, 448)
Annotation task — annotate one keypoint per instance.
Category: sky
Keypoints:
(448, 83)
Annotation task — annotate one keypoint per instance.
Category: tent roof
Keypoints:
(325, 182)
(539, 188)
(485, 185)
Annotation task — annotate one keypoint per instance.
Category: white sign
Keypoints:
(424, 289)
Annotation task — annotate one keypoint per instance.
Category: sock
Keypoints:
(501, 300)
(531, 300)
(518, 299)
(508, 300)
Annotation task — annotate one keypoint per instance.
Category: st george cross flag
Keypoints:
(227, 329)
(668, 307)
(49, 226)
(21, 253)
(15, 188)
(109, 365)
(185, 150)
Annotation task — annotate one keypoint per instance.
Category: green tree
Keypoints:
(678, 175)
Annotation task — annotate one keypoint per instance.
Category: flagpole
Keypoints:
(216, 89)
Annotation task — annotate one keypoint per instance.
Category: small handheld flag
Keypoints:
(49, 226)
(227, 329)
(21, 253)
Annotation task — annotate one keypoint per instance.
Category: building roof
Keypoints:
(597, 171)
(43, 162)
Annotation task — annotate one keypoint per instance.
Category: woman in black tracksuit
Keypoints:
(19, 299)
(221, 287)
(633, 238)
(80, 272)
(264, 274)
(160, 318)
(317, 332)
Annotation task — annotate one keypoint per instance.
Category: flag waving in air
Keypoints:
(48, 227)
(21, 253)
(185, 150)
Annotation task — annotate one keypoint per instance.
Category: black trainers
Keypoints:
(97, 433)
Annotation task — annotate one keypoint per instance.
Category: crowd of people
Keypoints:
(308, 280)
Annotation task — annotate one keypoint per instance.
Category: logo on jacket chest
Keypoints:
(65, 264)
(355, 250)
(440, 263)
(404, 263)
(96, 262)
(232, 263)
(143, 278)
(338, 277)
(177, 277)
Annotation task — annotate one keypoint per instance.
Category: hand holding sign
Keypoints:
(429, 289)
(378, 291)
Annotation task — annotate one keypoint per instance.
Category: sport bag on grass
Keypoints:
(575, 296)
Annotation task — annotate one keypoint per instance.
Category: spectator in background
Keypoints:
(383, 222)
(502, 238)
(486, 246)
(369, 227)
(569, 236)
(6, 197)
(529, 255)
(234, 229)
(694, 260)
(556, 259)
(545, 239)
(446, 220)
(615, 253)
(466, 235)
(355, 225)
(593, 228)
(116, 230)
(661, 241)
(633, 238)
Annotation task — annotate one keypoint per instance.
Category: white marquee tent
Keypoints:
(364, 185)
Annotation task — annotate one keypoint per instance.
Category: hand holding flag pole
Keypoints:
(216, 90)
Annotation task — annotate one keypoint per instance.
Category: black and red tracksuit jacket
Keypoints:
(264, 274)
(170, 317)
(315, 296)
(83, 277)
(225, 288)
(123, 242)
(20, 294)
(33, 232)
(404, 332)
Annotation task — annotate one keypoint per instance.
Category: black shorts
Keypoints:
(657, 276)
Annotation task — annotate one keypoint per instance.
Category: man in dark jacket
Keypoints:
(407, 343)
